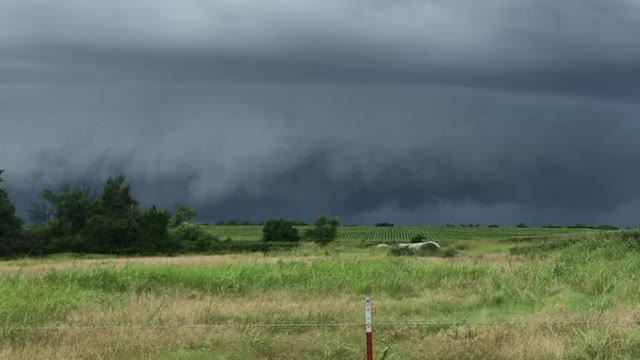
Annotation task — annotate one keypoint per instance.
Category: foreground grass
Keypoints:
(142, 308)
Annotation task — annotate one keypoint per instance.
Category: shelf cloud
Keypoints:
(412, 112)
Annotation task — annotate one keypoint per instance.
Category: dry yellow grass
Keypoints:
(98, 327)
(185, 260)
(498, 259)
(89, 340)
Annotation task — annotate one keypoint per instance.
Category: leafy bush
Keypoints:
(190, 237)
(324, 231)
(523, 225)
(418, 239)
(280, 230)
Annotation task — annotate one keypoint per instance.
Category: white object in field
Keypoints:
(423, 245)
(383, 246)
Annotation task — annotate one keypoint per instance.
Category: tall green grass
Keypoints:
(398, 277)
(583, 277)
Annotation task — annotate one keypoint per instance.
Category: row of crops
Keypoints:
(398, 233)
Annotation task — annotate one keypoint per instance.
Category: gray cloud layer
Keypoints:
(418, 111)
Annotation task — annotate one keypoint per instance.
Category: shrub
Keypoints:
(324, 231)
(523, 225)
(418, 239)
(280, 230)
(190, 237)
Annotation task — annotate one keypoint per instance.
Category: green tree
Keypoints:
(145, 233)
(154, 224)
(324, 231)
(183, 214)
(384, 224)
(10, 224)
(109, 234)
(280, 230)
(117, 199)
(41, 211)
(106, 222)
(73, 207)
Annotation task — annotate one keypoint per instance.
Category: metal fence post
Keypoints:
(368, 327)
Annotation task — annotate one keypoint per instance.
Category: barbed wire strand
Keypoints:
(293, 325)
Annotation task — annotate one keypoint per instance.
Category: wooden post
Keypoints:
(368, 327)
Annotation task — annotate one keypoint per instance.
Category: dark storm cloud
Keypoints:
(569, 45)
(72, 64)
(426, 111)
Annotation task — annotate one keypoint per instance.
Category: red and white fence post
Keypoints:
(368, 327)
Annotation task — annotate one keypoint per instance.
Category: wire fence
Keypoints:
(328, 325)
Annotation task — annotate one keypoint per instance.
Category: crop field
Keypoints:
(401, 233)
(572, 296)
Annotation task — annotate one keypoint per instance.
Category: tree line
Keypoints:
(109, 219)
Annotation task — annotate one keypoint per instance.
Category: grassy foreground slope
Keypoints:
(566, 297)
(401, 233)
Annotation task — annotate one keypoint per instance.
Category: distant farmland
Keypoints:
(402, 233)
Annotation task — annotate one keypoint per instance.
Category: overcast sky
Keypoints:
(409, 111)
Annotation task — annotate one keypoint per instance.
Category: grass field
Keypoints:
(401, 233)
(561, 295)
